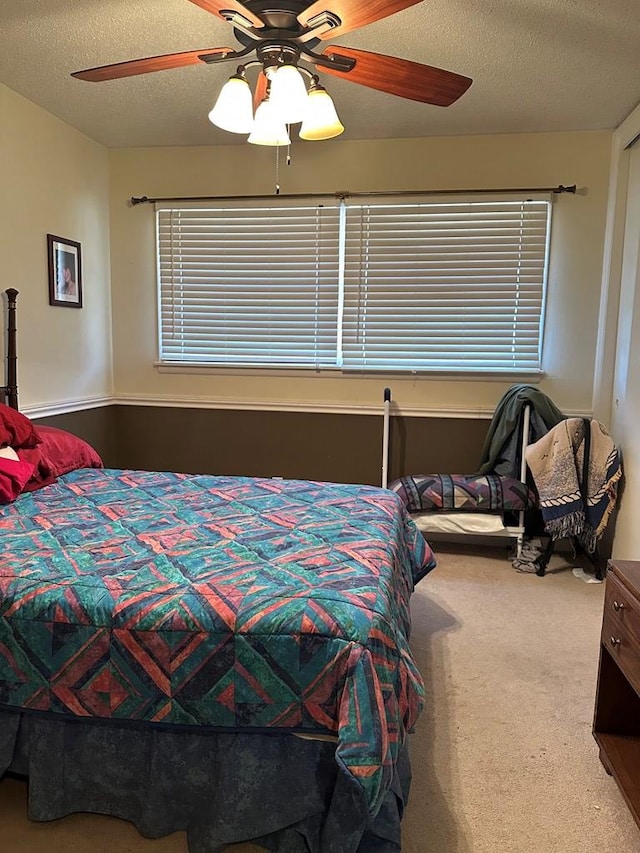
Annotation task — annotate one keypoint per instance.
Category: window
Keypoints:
(249, 286)
(383, 285)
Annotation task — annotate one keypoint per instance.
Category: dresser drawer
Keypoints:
(623, 647)
(621, 605)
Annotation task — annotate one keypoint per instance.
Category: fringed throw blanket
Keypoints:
(573, 504)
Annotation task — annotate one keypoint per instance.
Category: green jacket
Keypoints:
(502, 450)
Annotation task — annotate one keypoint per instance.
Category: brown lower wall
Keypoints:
(301, 445)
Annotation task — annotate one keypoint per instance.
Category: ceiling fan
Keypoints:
(284, 31)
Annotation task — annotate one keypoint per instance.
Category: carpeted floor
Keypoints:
(503, 758)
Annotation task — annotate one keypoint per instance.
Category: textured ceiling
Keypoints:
(537, 65)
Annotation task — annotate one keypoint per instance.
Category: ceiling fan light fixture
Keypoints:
(321, 120)
(284, 36)
(288, 93)
(268, 127)
(233, 111)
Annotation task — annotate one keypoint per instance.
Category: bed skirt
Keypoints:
(279, 791)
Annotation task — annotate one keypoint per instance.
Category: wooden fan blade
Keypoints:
(400, 77)
(144, 66)
(261, 90)
(353, 13)
(216, 6)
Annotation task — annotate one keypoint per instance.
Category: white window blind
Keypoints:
(249, 286)
(445, 286)
(386, 285)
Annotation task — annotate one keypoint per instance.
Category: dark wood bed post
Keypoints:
(12, 350)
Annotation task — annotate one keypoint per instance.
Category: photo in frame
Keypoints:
(65, 272)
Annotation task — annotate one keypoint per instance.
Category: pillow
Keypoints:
(14, 474)
(65, 451)
(58, 453)
(16, 429)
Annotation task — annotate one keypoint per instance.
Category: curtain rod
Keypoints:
(346, 194)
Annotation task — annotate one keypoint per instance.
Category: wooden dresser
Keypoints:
(616, 724)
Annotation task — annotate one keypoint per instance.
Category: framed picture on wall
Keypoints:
(65, 272)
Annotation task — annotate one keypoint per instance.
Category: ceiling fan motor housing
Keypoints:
(274, 54)
(279, 14)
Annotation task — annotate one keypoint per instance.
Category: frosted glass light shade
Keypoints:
(288, 94)
(321, 121)
(268, 127)
(233, 111)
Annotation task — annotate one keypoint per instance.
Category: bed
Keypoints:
(228, 656)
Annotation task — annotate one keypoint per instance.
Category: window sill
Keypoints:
(529, 376)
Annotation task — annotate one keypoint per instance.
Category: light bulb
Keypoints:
(268, 127)
(288, 94)
(233, 111)
(321, 121)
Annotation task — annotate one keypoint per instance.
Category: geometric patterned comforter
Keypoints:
(234, 602)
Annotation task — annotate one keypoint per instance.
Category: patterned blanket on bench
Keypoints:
(462, 492)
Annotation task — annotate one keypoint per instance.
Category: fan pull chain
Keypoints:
(288, 161)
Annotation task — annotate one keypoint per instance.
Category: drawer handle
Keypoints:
(618, 606)
(614, 641)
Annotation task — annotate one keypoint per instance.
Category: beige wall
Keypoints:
(53, 179)
(485, 161)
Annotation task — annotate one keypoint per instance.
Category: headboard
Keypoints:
(9, 392)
